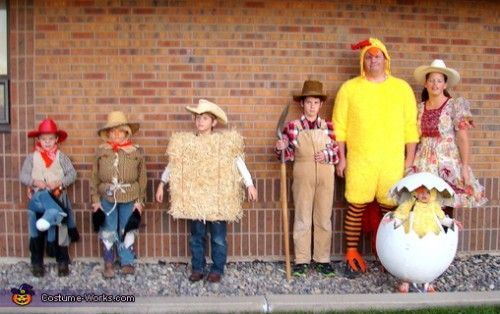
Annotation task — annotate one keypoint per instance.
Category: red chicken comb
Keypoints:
(361, 44)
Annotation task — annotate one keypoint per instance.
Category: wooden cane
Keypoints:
(283, 194)
(284, 209)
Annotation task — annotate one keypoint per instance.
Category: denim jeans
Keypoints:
(43, 204)
(112, 231)
(218, 243)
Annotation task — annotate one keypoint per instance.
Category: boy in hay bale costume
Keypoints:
(310, 143)
(205, 171)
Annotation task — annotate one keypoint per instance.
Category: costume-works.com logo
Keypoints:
(22, 295)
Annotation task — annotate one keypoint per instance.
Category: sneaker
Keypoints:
(325, 269)
(300, 270)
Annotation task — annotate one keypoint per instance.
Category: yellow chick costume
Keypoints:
(369, 117)
(426, 216)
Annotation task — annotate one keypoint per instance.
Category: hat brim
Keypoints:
(196, 110)
(134, 127)
(61, 135)
(302, 96)
(452, 75)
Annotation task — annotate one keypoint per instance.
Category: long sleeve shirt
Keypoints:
(291, 133)
(68, 169)
(240, 164)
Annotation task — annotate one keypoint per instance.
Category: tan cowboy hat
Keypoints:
(117, 118)
(205, 106)
(311, 88)
(437, 66)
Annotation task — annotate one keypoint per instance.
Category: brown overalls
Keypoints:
(313, 196)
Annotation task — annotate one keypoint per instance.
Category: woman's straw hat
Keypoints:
(437, 66)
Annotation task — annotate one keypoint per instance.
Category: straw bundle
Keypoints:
(205, 183)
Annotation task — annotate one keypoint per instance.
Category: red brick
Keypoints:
(79, 61)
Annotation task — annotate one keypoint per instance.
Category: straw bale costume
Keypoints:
(375, 120)
(313, 182)
(49, 210)
(205, 173)
(118, 189)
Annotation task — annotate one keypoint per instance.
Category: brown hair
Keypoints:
(425, 93)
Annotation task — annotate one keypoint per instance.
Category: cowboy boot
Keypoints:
(108, 271)
(62, 258)
(36, 249)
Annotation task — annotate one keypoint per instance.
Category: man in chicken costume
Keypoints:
(375, 120)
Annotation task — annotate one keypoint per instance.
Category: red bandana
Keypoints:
(48, 155)
(116, 146)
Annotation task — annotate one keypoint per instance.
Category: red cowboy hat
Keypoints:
(48, 126)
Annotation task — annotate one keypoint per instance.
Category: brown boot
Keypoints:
(195, 276)
(62, 269)
(128, 269)
(108, 271)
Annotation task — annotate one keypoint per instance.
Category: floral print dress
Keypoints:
(438, 152)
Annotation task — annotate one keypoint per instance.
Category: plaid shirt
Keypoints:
(291, 133)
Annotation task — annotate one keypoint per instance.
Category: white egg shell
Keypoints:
(414, 259)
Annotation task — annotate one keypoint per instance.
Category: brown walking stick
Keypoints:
(283, 195)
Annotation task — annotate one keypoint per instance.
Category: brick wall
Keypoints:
(77, 60)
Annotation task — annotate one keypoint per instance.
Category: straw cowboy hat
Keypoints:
(311, 88)
(48, 126)
(437, 66)
(205, 106)
(117, 118)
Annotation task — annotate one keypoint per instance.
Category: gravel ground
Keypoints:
(466, 273)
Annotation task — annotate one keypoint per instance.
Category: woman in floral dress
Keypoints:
(444, 146)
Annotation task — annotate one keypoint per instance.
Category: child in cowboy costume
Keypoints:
(205, 171)
(310, 143)
(47, 172)
(118, 189)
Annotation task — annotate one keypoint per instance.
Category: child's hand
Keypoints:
(30, 193)
(320, 157)
(340, 167)
(252, 193)
(39, 184)
(159, 193)
(96, 206)
(280, 145)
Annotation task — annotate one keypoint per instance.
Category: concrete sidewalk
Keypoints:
(272, 303)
